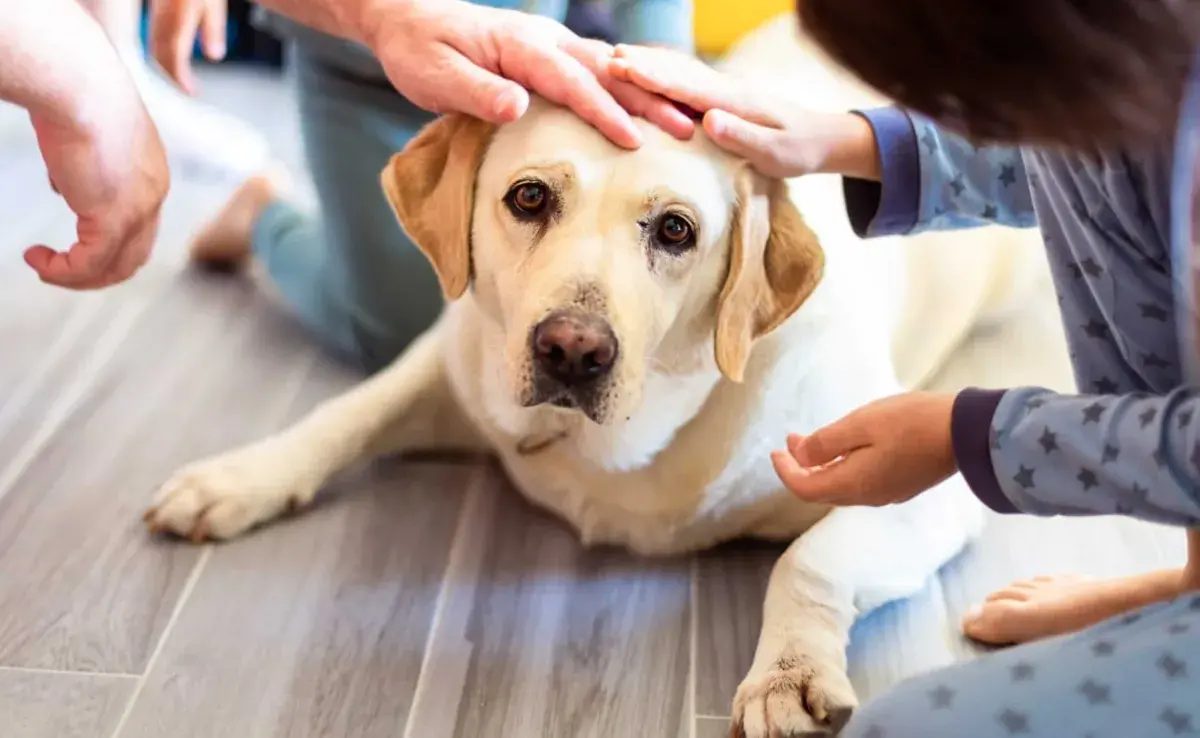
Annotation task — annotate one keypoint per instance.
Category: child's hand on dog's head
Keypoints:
(779, 140)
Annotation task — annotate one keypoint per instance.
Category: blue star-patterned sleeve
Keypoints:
(934, 180)
(1032, 451)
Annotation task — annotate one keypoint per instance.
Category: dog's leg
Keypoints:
(405, 407)
(852, 561)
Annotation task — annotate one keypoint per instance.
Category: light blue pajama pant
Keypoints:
(351, 275)
(1136, 676)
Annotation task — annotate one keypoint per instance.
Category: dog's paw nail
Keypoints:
(199, 533)
(838, 717)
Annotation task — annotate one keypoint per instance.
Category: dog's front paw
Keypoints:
(227, 495)
(797, 697)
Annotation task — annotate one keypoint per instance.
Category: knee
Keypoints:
(893, 715)
(924, 707)
(377, 342)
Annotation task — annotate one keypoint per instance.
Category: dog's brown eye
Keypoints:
(528, 199)
(674, 232)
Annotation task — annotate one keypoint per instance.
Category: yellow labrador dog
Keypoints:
(631, 333)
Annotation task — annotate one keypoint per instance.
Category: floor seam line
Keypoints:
(474, 487)
(693, 639)
(184, 596)
(67, 672)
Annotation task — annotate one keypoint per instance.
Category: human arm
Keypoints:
(931, 179)
(102, 152)
(453, 56)
(902, 174)
(1023, 450)
(449, 55)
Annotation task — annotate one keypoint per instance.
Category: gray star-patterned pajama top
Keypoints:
(1128, 444)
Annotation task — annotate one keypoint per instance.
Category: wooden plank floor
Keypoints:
(421, 599)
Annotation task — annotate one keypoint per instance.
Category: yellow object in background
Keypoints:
(719, 24)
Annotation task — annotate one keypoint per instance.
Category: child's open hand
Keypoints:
(777, 139)
(886, 452)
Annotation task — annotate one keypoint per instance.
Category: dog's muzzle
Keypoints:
(573, 354)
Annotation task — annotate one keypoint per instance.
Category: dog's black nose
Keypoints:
(573, 348)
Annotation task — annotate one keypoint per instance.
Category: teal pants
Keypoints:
(350, 273)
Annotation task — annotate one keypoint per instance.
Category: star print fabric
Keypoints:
(1135, 675)
(1131, 454)
(1127, 444)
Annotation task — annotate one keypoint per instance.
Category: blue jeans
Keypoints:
(352, 276)
(1134, 676)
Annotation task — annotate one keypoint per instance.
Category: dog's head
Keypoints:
(598, 264)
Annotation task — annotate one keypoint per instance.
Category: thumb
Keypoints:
(473, 90)
(829, 443)
(741, 137)
(839, 484)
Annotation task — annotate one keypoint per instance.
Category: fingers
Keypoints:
(89, 265)
(686, 80)
(558, 76)
(794, 476)
(840, 483)
(831, 465)
(772, 152)
(999, 623)
(59, 269)
(737, 135)
(81, 267)
(213, 29)
(830, 443)
(480, 93)
(656, 109)
(664, 115)
(172, 36)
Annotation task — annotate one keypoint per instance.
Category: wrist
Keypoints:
(852, 150)
(972, 436)
(64, 75)
(371, 17)
(107, 106)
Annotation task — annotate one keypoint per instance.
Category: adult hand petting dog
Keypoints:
(101, 150)
(883, 453)
(778, 139)
(453, 56)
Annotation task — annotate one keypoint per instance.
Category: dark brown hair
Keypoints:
(1079, 73)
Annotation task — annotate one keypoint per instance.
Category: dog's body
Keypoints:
(699, 365)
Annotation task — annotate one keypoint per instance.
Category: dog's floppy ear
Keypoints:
(431, 187)
(775, 262)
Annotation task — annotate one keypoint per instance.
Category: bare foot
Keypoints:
(1050, 606)
(226, 240)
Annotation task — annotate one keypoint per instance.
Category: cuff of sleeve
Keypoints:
(889, 207)
(971, 431)
(661, 23)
